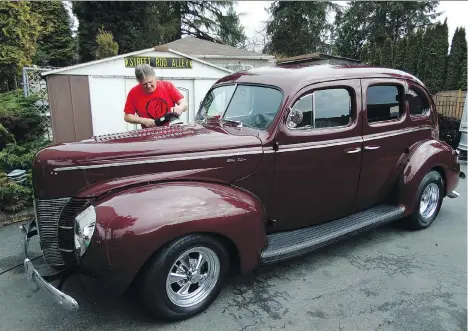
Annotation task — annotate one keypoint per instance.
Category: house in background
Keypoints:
(314, 59)
(228, 57)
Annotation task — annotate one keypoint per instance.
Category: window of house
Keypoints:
(417, 100)
(322, 109)
(383, 103)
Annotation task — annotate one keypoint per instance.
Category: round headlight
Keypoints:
(85, 224)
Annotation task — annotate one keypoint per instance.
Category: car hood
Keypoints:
(182, 152)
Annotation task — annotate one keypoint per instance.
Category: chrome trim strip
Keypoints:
(66, 250)
(173, 159)
(66, 227)
(317, 145)
(394, 133)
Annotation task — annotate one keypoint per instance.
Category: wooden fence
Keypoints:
(450, 103)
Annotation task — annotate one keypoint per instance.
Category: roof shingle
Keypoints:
(199, 47)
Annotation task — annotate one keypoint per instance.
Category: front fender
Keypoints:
(139, 221)
(424, 157)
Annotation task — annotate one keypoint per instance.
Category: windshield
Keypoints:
(254, 106)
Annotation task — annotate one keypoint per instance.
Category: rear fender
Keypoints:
(424, 157)
(139, 221)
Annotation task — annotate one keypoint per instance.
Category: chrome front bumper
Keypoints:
(64, 300)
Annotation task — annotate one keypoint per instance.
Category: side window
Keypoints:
(383, 103)
(417, 100)
(332, 108)
(322, 109)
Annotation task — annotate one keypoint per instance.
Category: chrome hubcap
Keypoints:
(429, 201)
(192, 277)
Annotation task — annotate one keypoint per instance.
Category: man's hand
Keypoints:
(130, 118)
(177, 110)
(148, 122)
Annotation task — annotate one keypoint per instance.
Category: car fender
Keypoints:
(422, 158)
(141, 220)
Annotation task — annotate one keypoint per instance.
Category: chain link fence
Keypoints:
(35, 85)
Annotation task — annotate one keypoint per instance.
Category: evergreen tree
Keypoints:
(462, 82)
(425, 55)
(19, 30)
(134, 25)
(365, 53)
(374, 58)
(55, 45)
(231, 31)
(386, 54)
(436, 68)
(298, 27)
(456, 60)
(413, 51)
(400, 54)
(375, 21)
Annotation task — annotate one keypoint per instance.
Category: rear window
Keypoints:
(254, 106)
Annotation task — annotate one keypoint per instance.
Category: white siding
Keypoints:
(107, 101)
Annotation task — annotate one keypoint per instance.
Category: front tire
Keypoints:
(185, 277)
(429, 200)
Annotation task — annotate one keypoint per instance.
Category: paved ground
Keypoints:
(388, 279)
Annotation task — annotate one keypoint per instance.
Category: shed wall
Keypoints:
(70, 107)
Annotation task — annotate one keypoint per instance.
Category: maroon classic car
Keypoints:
(279, 162)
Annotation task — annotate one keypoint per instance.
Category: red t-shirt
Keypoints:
(152, 105)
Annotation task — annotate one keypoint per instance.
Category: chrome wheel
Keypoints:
(192, 277)
(429, 201)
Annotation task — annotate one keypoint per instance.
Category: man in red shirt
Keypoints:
(151, 99)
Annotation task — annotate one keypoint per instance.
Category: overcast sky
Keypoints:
(255, 13)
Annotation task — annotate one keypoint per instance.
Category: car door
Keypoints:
(318, 159)
(385, 139)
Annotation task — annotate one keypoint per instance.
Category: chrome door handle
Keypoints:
(371, 148)
(353, 151)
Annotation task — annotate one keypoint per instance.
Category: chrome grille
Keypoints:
(55, 219)
(48, 214)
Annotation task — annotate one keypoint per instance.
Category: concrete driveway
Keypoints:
(387, 279)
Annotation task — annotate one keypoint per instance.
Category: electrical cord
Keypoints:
(16, 266)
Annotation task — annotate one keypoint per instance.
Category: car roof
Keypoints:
(293, 78)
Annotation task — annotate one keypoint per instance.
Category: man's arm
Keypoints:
(181, 106)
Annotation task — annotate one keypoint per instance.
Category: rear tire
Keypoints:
(429, 200)
(198, 265)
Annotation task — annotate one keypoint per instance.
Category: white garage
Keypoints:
(88, 99)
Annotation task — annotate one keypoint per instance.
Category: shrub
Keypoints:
(5, 137)
(19, 117)
(15, 156)
(13, 196)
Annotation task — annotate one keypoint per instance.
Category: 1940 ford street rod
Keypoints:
(279, 162)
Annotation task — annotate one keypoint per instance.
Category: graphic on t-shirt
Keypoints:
(156, 107)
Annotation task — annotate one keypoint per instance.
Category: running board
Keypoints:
(286, 245)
